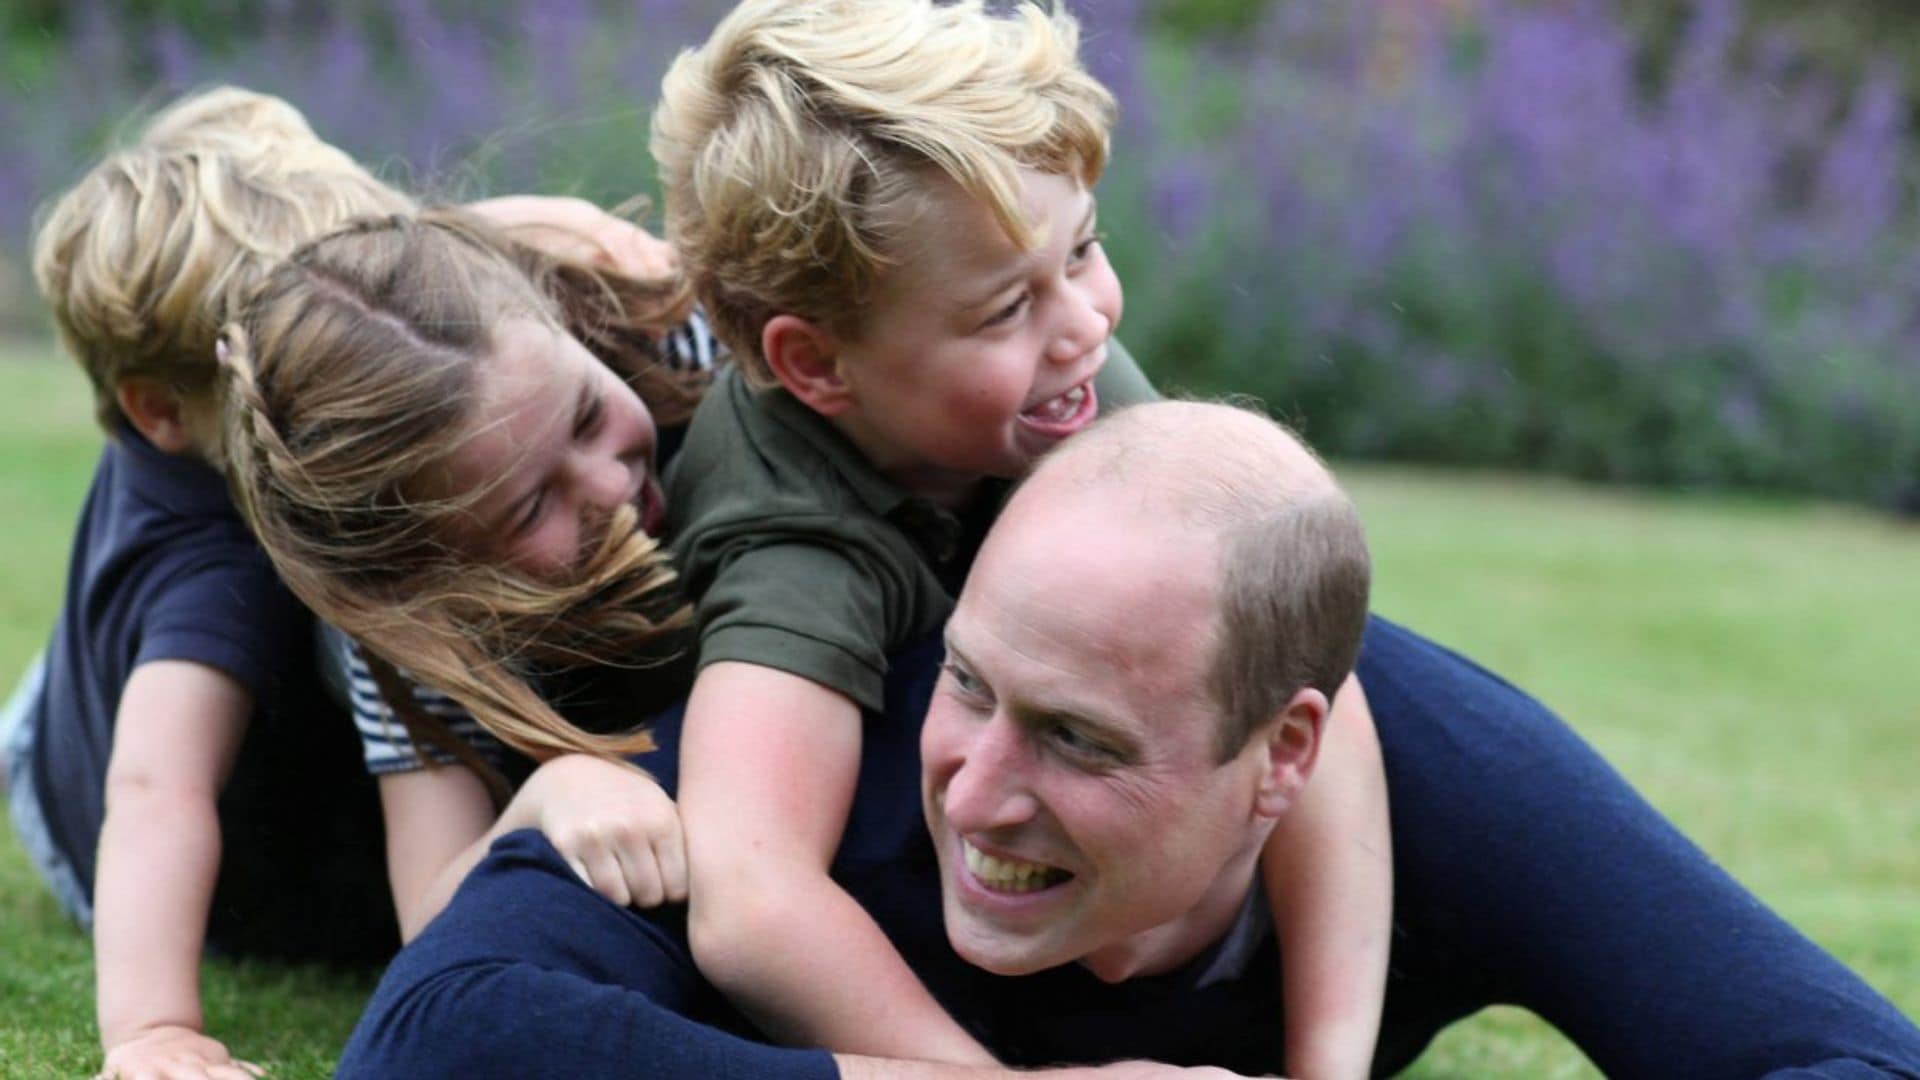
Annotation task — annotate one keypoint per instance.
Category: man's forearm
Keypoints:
(590, 990)
(530, 973)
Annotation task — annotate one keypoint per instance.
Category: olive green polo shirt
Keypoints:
(801, 556)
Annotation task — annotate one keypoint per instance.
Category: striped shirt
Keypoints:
(386, 744)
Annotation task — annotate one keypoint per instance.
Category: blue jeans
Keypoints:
(23, 798)
(1528, 873)
(300, 878)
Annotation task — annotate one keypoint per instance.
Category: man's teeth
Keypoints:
(1062, 408)
(1005, 875)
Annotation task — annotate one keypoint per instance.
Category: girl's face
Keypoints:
(556, 443)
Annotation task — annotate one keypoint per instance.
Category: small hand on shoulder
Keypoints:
(174, 1052)
(577, 229)
(614, 825)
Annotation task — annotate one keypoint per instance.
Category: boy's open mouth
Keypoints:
(1065, 413)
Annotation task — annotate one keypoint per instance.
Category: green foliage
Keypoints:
(30, 39)
(1372, 234)
(1534, 386)
(48, 443)
(1200, 18)
(1845, 37)
(1443, 232)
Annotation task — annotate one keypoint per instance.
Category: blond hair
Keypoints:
(790, 144)
(352, 371)
(143, 260)
(1294, 572)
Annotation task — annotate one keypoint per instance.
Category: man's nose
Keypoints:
(990, 789)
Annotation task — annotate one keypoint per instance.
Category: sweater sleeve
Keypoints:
(528, 973)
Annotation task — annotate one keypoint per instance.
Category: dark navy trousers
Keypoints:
(1528, 873)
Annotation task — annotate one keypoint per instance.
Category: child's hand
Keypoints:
(615, 827)
(632, 250)
(171, 1052)
(577, 229)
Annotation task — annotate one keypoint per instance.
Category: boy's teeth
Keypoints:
(1006, 875)
(1061, 408)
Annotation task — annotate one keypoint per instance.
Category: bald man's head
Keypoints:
(1242, 491)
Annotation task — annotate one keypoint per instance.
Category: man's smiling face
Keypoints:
(1070, 775)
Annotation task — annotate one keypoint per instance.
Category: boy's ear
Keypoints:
(156, 411)
(805, 358)
(1290, 744)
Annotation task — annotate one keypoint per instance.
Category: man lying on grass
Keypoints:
(1101, 607)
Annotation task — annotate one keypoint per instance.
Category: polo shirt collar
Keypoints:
(937, 530)
(181, 483)
(1244, 943)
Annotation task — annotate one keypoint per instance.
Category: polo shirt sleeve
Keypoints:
(1121, 382)
(822, 611)
(231, 615)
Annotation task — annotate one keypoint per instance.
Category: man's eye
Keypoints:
(1073, 741)
(964, 681)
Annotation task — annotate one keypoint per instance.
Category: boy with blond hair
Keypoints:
(888, 212)
(158, 822)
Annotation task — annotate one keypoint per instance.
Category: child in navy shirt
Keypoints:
(176, 777)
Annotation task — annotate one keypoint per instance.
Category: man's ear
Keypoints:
(1290, 745)
(156, 411)
(805, 358)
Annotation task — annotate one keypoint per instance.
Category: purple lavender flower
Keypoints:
(555, 35)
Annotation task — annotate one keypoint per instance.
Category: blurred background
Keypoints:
(1474, 249)
(1656, 241)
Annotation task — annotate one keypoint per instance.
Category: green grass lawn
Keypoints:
(1747, 663)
